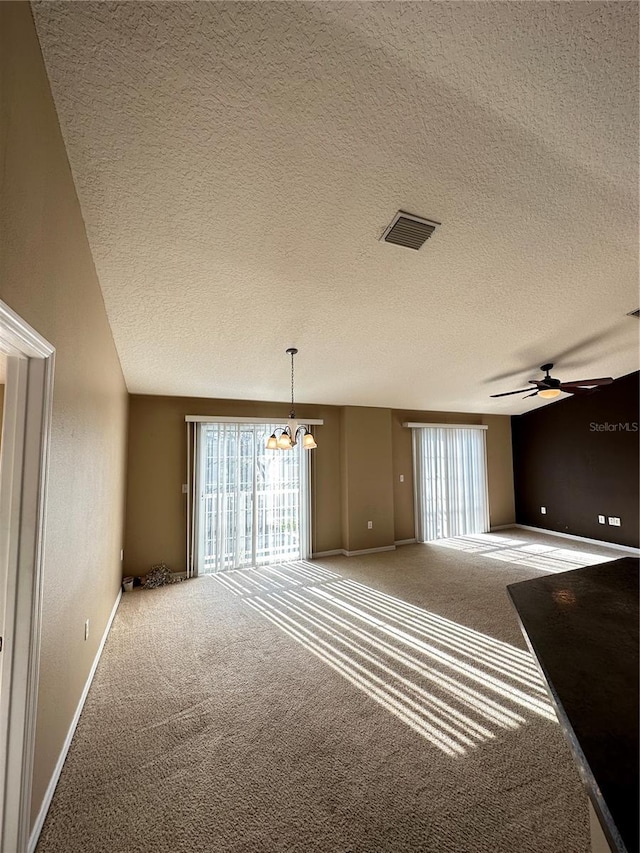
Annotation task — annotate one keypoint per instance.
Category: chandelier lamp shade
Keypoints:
(285, 438)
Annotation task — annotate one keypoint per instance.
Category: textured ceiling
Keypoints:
(236, 164)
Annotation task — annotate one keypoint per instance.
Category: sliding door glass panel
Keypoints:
(450, 482)
(254, 502)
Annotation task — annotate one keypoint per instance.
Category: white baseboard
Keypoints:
(369, 551)
(46, 802)
(405, 541)
(627, 549)
(344, 553)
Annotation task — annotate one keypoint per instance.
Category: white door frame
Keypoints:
(23, 466)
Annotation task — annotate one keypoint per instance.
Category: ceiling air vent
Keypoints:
(635, 313)
(408, 230)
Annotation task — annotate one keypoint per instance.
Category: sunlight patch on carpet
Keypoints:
(453, 685)
(545, 558)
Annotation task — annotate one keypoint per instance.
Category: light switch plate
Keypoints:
(601, 519)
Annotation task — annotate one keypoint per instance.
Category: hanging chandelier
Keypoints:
(284, 438)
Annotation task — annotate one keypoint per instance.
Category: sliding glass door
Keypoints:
(253, 502)
(450, 477)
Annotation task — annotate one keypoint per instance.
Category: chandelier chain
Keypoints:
(292, 354)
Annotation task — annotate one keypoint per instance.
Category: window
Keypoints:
(450, 481)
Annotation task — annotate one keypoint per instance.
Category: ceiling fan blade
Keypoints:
(536, 382)
(606, 381)
(535, 394)
(578, 391)
(509, 393)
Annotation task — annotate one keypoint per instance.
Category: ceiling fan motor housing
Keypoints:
(549, 381)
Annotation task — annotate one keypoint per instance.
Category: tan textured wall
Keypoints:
(356, 473)
(368, 478)
(47, 276)
(499, 465)
(502, 508)
(1, 409)
(156, 507)
(344, 494)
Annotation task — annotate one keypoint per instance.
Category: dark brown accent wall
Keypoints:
(578, 457)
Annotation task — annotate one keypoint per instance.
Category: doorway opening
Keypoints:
(251, 505)
(28, 393)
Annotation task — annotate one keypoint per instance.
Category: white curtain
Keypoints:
(450, 480)
(250, 505)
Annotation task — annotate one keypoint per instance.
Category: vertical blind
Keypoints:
(249, 505)
(450, 477)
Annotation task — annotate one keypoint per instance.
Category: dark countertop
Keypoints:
(582, 627)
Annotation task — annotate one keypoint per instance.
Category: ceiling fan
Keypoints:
(550, 387)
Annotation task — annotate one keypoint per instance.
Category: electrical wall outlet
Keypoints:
(543, 510)
(185, 488)
(402, 478)
(86, 629)
(370, 525)
(601, 519)
(121, 555)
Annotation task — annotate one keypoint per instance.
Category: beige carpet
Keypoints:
(378, 703)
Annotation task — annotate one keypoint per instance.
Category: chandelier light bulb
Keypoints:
(284, 442)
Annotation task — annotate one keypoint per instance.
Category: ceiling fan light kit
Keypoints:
(286, 438)
(549, 387)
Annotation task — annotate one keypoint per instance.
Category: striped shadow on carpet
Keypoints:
(450, 684)
(384, 703)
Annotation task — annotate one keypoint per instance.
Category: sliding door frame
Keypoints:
(418, 468)
(193, 489)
